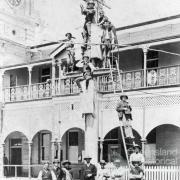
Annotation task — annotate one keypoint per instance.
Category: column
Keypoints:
(2, 98)
(53, 76)
(91, 137)
(2, 150)
(145, 51)
(29, 158)
(59, 150)
(101, 149)
(59, 79)
(143, 142)
(29, 81)
(53, 149)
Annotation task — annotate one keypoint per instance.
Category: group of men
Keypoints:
(90, 172)
(56, 172)
(108, 35)
(108, 29)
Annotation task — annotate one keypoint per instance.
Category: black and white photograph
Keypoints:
(89, 89)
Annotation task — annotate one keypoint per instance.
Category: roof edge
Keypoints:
(148, 22)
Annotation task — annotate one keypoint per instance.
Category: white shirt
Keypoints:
(118, 173)
(68, 174)
(41, 172)
(102, 172)
(137, 157)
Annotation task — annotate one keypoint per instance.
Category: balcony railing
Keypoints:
(66, 86)
(131, 80)
(156, 77)
(23, 93)
(16, 93)
(163, 76)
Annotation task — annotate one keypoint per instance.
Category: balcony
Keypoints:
(131, 80)
(65, 86)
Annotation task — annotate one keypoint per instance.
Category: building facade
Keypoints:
(42, 112)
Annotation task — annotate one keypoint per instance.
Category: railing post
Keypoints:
(15, 170)
(30, 152)
(29, 81)
(145, 51)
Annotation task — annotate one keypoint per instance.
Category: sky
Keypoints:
(61, 16)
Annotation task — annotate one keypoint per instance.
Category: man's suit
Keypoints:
(88, 172)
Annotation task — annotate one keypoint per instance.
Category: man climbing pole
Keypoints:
(124, 109)
(87, 70)
(71, 51)
(108, 38)
(89, 13)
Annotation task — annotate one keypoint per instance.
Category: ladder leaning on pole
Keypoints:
(126, 144)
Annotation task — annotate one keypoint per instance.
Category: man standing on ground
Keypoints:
(46, 173)
(136, 164)
(66, 168)
(60, 174)
(118, 173)
(88, 171)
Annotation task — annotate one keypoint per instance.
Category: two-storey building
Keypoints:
(42, 112)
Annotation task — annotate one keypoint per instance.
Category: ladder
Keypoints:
(126, 144)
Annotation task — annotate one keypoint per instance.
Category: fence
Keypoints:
(158, 173)
(151, 172)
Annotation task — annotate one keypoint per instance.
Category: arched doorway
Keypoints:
(163, 145)
(113, 145)
(16, 152)
(73, 145)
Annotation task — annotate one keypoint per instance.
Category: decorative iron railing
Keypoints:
(66, 86)
(131, 80)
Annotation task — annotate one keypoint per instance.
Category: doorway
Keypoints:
(16, 156)
(73, 145)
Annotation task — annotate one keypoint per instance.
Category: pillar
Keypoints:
(143, 142)
(29, 158)
(101, 149)
(29, 80)
(60, 74)
(2, 150)
(53, 149)
(59, 150)
(91, 138)
(145, 51)
(53, 76)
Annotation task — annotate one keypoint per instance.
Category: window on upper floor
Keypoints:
(45, 74)
(152, 59)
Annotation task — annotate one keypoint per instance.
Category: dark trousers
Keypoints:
(86, 78)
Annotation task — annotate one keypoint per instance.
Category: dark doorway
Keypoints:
(113, 146)
(16, 159)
